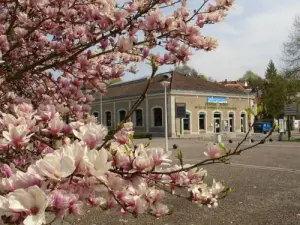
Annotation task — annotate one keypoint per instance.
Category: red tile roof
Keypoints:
(178, 82)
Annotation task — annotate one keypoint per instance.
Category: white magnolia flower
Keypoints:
(8, 119)
(32, 201)
(77, 152)
(128, 125)
(3, 206)
(97, 162)
(55, 167)
(91, 134)
(217, 187)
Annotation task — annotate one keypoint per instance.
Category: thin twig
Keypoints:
(135, 105)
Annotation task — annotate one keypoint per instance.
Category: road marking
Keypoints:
(268, 145)
(252, 166)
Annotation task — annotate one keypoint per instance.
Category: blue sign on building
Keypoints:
(217, 100)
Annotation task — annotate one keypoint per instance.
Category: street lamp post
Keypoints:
(165, 84)
(249, 115)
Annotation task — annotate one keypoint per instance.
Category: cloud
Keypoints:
(251, 35)
(248, 40)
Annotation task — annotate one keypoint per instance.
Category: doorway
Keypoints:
(231, 122)
(243, 122)
(187, 122)
(217, 122)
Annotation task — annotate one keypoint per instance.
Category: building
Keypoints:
(210, 107)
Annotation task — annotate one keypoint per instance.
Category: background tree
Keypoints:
(291, 50)
(252, 79)
(274, 92)
(291, 57)
(185, 69)
(271, 72)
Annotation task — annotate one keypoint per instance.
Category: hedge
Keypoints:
(135, 135)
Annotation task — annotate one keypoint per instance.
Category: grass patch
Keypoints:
(293, 140)
(135, 135)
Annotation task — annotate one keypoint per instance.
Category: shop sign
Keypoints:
(220, 100)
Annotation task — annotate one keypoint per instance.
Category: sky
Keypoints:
(251, 35)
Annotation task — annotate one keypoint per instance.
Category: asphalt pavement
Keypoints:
(265, 181)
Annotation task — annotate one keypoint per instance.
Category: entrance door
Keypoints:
(217, 122)
(243, 122)
(231, 122)
(186, 122)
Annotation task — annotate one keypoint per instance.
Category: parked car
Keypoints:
(262, 127)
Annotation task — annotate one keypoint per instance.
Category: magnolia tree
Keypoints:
(54, 55)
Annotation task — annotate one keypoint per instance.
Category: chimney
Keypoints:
(225, 81)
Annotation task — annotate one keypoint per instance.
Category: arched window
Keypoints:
(122, 114)
(96, 115)
(108, 118)
(157, 117)
(139, 117)
(202, 121)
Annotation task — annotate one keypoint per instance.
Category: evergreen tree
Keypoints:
(274, 92)
(271, 71)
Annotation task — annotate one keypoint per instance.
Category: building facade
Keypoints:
(210, 107)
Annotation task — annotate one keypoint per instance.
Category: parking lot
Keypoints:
(265, 183)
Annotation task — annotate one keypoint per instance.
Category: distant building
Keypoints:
(243, 86)
(210, 107)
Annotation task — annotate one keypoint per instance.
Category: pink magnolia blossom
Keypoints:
(55, 126)
(213, 151)
(154, 195)
(17, 135)
(91, 134)
(46, 112)
(24, 110)
(124, 45)
(6, 170)
(159, 209)
(142, 161)
(159, 156)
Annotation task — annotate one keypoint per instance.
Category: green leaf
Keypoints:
(222, 147)
(259, 109)
(147, 144)
(131, 138)
(250, 111)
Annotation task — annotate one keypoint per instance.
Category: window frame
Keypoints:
(135, 117)
(153, 116)
(105, 114)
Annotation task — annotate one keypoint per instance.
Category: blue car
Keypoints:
(262, 127)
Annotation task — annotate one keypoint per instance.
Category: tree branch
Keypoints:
(137, 102)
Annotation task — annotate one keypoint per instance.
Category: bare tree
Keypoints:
(292, 50)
